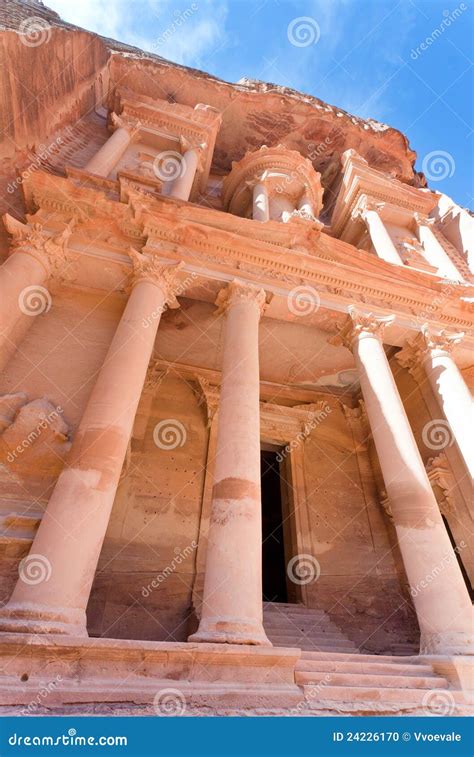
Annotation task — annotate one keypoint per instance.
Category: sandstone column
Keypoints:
(35, 257)
(187, 167)
(435, 253)
(107, 157)
(439, 594)
(67, 545)
(232, 597)
(260, 208)
(381, 239)
(433, 351)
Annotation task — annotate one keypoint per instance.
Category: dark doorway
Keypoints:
(273, 547)
(459, 559)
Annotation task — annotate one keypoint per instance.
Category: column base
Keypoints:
(25, 617)
(455, 643)
(230, 632)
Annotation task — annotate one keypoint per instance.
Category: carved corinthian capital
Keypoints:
(443, 340)
(49, 250)
(238, 292)
(360, 324)
(132, 126)
(364, 205)
(162, 275)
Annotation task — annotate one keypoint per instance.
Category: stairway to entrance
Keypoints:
(294, 625)
(376, 685)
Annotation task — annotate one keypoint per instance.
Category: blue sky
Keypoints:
(407, 63)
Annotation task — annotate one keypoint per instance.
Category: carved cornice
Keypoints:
(360, 325)
(360, 180)
(49, 250)
(238, 292)
(218, 242)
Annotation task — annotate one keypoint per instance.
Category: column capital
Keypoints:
(364, 205)
(162, 275)
(49, 250)
(361, 325)
(441, 341)
(238, 292)
(422, 220)
(132, 126)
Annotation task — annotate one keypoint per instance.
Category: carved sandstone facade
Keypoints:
(190, 301)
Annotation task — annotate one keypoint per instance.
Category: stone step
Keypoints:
(315, 640)
(283, 605)
(357, 657)
(358, 679)
(375, 695)
(304, 614)
(384, 668)
(287, 623)
(323, 648)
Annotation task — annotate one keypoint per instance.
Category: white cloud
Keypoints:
(187, 34)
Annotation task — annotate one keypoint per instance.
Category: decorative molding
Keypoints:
(208, 396)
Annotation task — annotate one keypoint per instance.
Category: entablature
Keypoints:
(216, 247)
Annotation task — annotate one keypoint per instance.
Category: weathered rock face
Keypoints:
(74, 71)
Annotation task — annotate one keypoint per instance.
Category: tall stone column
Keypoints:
(232, 606)
(381, 239)
(52, 592)
(107, 157)
(433, 351)
(34, 257)
(439, 594)
(434, 251)
(183, 183)
(260, 205)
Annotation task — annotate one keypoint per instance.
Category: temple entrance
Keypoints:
(276, 527)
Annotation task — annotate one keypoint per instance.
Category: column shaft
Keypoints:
(232, 599)
(182, 185)
(452, 394)
(71, 533)
(437, 257)
(381, 239)
(439, 594)
(107, 157)
(260, 210)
